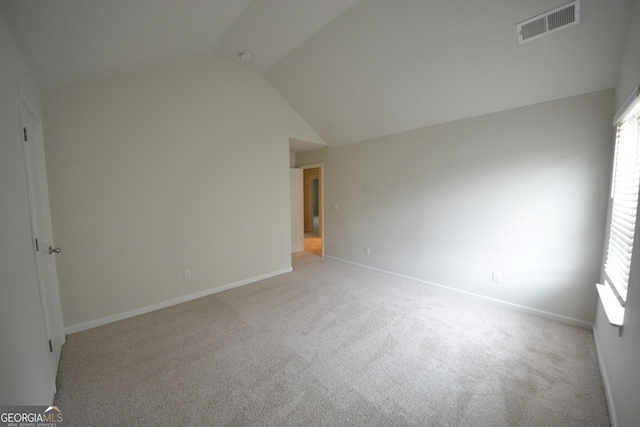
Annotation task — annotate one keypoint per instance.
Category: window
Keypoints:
(623, 209)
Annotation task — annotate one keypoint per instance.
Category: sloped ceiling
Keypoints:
(352, 69)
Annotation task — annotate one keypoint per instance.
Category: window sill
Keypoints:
(612, 307)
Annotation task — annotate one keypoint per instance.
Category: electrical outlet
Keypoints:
(367, 251)
(496, 276)
(187, 274)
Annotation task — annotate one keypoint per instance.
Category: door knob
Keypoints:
(53, 250)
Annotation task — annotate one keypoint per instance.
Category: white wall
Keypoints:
(522, 192)
(24, 371)
(180, 166)
(620, 355)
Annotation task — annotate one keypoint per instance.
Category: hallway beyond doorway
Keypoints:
(312, 239)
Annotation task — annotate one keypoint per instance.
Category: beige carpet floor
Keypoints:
(332, 344)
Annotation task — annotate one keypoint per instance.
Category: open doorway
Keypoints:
(313, 224)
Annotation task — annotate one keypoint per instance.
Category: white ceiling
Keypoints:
(352, 69)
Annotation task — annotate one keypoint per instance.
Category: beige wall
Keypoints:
(620, 355)
(25, 378)
(522, 192)
(181, 166)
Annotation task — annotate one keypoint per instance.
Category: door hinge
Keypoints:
(50, 347)
(37, 246)
(25, 134)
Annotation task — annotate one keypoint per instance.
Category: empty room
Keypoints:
(336, 212)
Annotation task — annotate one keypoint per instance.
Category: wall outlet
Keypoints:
(367, 251)
(496, 276)
(186, 274)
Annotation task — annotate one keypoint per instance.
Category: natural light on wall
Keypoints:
(623, 210)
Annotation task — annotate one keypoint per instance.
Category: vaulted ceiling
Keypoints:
(354, 70)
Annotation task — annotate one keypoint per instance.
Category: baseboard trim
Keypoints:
(522, 308)
(138, 311)
(613, 418)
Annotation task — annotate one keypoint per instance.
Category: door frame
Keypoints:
(321, 224)
(297, 209)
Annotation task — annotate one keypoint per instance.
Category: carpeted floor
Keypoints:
(332, 344)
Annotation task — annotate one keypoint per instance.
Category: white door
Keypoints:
(297, 211)
(42, 236)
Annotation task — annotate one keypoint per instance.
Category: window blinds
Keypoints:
(624, 201)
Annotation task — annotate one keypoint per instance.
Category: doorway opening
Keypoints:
(313, 224)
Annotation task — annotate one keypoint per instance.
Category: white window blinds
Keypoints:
(624, 199)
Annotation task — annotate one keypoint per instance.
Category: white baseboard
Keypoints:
(120, 316)
(534, 311)
(613, 418)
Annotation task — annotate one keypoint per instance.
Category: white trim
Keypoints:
(613, 417)
(138, 311)
(626, 107)
(310, 166)
(529, 310)
(612, 307)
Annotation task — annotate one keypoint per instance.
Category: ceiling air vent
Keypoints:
(548, 22)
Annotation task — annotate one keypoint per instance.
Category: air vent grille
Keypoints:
(533, 28)
(553, 20)
(562, 17)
